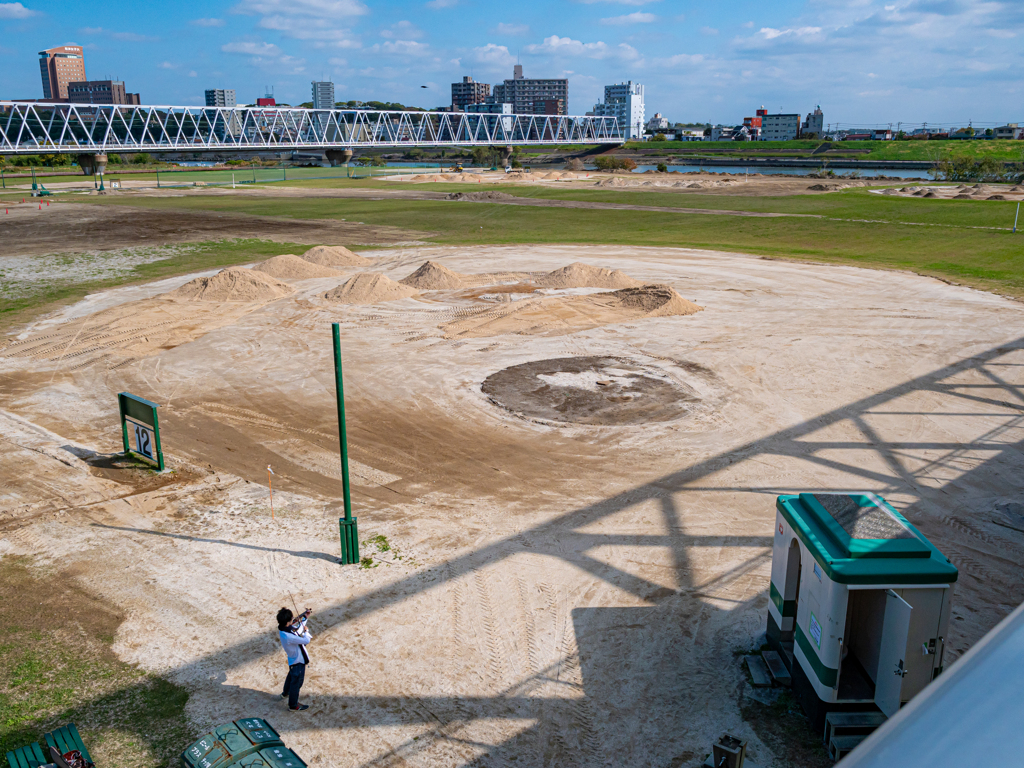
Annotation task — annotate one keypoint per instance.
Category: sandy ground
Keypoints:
(556, 592)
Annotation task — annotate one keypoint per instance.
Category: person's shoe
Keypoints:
(284, 695)
(300, 708)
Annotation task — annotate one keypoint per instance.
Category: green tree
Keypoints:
(662, 168)
(142, 158)
(658, 137)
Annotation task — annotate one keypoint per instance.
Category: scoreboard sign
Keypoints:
(140, 429)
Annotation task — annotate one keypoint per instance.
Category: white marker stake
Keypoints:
(271, 484)
(1016, 217)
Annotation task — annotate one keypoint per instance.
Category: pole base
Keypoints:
(349, 541)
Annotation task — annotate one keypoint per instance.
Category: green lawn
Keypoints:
(954, 250)
(1007, 151)
(57, 666)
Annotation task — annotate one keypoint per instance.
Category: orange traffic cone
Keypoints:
(40, 206)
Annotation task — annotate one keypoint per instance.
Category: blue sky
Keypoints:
(864, 61)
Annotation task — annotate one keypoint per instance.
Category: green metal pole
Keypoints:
(347, 526)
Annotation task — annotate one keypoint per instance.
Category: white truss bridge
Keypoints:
(32, 127)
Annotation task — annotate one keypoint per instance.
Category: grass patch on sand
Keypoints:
(31, 285)
(952, 250)
(57, 666)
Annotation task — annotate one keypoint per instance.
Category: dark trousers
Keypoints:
(292, 683)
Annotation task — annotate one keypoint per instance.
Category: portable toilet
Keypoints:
(860, 603)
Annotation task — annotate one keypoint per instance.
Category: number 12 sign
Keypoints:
(139, 417)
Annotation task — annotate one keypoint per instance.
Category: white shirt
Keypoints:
(294, 642)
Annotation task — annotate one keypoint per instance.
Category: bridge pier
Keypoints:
(506, 156)
(338, 157)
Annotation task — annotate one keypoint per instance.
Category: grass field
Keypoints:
(933, 237)
(57, 666)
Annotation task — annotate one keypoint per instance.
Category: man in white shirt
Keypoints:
(294, 639)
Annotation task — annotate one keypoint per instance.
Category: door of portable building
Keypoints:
(892, 666)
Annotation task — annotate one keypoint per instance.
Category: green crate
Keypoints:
(207, 752)
(259, 731)
(282, 757)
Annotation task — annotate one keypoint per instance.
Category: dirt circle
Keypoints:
(597, 391)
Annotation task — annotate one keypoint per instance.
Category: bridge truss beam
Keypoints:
(32, 128)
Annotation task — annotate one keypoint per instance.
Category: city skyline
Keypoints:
(864, 61)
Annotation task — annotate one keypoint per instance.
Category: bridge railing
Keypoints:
(35, 127)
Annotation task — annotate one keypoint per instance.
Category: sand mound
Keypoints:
(335, 256)
(996, 197)
(291, 267)
(654, 301)
(369, 288)
(556, 315)
(579, 275)
(233, 284)
(963, 197)
(419, 177)
(433, 277)
(489, 195)
(930, 195)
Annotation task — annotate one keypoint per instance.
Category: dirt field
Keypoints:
(577, 516)
(64, 227)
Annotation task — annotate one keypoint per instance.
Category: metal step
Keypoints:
(777, 668)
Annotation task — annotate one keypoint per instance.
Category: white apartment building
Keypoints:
(221, 97)
(780, 127)
(323, 94)
(624, 102)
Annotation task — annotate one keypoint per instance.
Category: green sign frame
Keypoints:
(141, 414)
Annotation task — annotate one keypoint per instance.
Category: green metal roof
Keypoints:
(861, 539)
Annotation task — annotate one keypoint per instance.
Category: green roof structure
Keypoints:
(861, 539)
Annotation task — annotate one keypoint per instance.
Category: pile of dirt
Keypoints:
(824, 187)
(335, 256)
(930, 195)
(579, 275)
(233, 284)
(963, 197)
(654, 301)
(997, 197)
(479, 196)
(433, 277)
(369, 288)
(291, 267)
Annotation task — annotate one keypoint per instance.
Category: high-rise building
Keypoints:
(323, 94)
(58, 67)
(779, 127)
(532, 96)
(220, 97)
(468, 92)
(624, 102)
(100, 92)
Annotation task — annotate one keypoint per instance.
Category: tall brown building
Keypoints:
(60, 66)
(100, 92)
(468, 92)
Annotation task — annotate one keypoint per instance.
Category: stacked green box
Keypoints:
(231, 742)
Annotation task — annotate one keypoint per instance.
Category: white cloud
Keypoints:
(15, 11)
(167, 65)
(325, 9)
(207, 22)
(770, 34)
(638, 17)
(251, 49)
(338, 62)
(400, 48)
(91, 30)
(495, 55)
(680, 59)
(708, 31)
(304, 29)
(511, 29)
(193, 73)
(402, 30)
(439, 4)
(566, 46)
(748, 25)
(620, 2)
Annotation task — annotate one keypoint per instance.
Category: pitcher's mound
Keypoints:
(433, 277)
(579, 275)
(291, 267)
(233, 284)
(335, 256)
(369, 288)
(600, 391)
